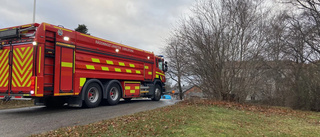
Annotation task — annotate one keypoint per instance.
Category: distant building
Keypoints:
(188, 91)
(193, 92)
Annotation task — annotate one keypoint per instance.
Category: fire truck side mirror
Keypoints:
(165, 69)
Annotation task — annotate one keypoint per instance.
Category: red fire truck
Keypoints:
(55, 65)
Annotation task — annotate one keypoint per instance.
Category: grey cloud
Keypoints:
(139, 23)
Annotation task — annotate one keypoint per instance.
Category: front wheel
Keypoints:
(114, 94)
(93, 95)
(156, 93)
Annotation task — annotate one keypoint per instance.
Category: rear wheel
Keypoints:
(156, 93)
(93, 95)
(114, 94)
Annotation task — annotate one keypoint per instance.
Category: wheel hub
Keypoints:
(114, 93)
(93, 94)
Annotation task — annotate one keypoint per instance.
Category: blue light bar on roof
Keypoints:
(161, 56)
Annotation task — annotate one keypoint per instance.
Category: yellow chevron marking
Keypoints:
(132, 91)
(117, 69)
(131, 65)
(5, 80)
(138, 71)
(95, 60)
(24, 53)
(5, 77)
(27, 80)
(13, 84)
(149, 73)
(25, 66)
(137, 87)
(90, 67)
(127, 88)
(22, 65)
(4, 67)
(22, 56)
(15, 80)
(121, 64)
(146, 67)
(23, 48)
(1, 57)
(2, 63)
(17, 74)
(109, 62)
(2, 54)
(105, 68)
(128, 71)
(157, 76)
(5, 70)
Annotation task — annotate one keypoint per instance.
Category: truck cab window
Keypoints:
(160, 65)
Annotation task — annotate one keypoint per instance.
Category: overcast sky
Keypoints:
(143, 24)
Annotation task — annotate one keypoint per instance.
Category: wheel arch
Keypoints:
(160, 83)
(108, 84)
(87, 83)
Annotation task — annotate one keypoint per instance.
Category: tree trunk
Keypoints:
(180, 88)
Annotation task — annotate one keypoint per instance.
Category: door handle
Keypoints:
(10, 58)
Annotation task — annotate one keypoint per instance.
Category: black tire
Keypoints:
(156, 93)
(51, 102)
(127, 99)
(93, 95)
(113, 94)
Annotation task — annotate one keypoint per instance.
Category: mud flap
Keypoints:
(75, 102)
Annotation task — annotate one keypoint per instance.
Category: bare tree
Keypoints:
(177, 62)
(220, 41)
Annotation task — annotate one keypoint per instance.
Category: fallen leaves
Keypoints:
(172, 120)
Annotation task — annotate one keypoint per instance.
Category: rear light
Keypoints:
(32, 85)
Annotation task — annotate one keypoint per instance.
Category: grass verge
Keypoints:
(203, 118)
(16, 104)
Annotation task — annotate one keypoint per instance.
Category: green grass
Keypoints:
(15, 104)
(203, 119)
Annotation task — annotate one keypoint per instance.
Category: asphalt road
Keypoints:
(33, 120)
